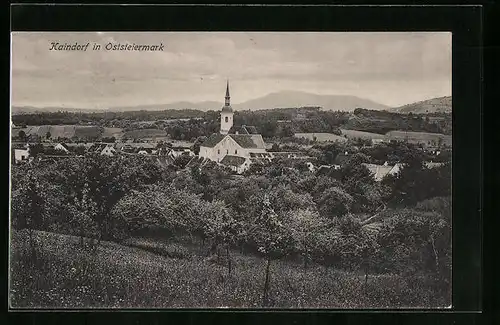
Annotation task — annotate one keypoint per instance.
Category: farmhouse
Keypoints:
(234, 141)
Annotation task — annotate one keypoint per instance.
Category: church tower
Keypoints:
(226, 115)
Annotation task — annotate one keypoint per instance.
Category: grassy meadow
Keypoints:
(176, 273)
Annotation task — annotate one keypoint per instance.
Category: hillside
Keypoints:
(179, 275)
(285, 99)
(434, 105)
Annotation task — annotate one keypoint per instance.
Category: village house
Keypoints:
(340, 160)
(21, 155)
(108, 150)
(61, 147)
(181, 151)
(236, 163)
(380, 171)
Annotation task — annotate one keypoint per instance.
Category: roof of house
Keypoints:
(378, 171)
(165, 160)
(260, 155)
(18, 145)
(232, 160)
(64, 145)
(86, 145)
(142, 145)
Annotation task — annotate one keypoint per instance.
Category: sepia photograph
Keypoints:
(247, 170)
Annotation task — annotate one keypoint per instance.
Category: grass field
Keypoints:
(176, 274)
(64, 131)
(361, 134)
(144, 133)
(321, 137)
(113, 132)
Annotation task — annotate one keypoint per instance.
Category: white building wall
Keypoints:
(226, 146)
(226, 126)
(21, 154)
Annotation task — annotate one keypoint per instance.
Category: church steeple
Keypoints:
(226, 114)
(227, 102)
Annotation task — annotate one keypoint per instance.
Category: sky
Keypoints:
(387, 67)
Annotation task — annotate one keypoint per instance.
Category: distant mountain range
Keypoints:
(434, 105)
(32, 109)
(282, 99)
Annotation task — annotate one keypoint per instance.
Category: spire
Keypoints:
(227, 103)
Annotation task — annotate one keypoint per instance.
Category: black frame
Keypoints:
(465, 23)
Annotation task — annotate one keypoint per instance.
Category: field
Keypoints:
(177, 273)
(113, 132)
(321, 137)
(145, 133)
(64, 131)
(361, 134)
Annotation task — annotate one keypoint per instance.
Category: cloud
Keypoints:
(194, 66)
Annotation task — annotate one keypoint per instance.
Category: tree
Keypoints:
(197, 144)
(80, 150)
(358, 244)
(417, 241)
(22, 135)
(221, 228)
(305, 226)
(335, 203)
(32, 203)
(83, 214)
(35, 149)
(272, 239)
(182, 160)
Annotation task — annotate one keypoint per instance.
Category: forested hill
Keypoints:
(434, 105)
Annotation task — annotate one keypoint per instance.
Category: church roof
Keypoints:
(213, 140)
(248, 140)
(227, 108)
(244, 129)
(232, 160)
(244, 140)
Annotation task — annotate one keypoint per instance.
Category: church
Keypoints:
(233, 146)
